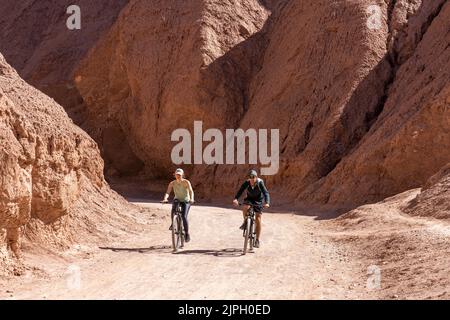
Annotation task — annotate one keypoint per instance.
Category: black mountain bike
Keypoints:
(249, 230)
(178, 233)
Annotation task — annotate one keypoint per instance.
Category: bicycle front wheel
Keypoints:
(175, 233)
(182, 233)
(252, 236)
(246, 235)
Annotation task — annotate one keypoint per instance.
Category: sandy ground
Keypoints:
(296, 261)
(372, 252)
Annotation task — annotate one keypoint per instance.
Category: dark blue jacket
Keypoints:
(256, 194)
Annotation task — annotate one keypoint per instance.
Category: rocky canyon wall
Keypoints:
(51, 175)
(359, 90)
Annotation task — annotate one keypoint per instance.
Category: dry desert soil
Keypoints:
(305, 254)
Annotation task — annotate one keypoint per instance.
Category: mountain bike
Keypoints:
(178, 233)
(249, 230)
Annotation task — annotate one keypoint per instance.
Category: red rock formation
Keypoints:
(309, 81)
(162, 66)
(356, 121)
(357, 105)
(333, 103)
(410, 140)
(51, 172)
(37, 43)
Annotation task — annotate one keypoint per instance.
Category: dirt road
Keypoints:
(297, 260)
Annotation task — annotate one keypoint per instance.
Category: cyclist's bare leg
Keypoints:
(258, 225)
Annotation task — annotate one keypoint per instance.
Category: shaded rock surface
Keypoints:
(410, 139)
(38, 44)
(52, 189)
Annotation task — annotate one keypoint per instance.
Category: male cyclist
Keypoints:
(183, 194)
(256, 194)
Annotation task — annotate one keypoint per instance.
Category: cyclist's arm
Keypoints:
(241, 190)
(169, 190)
(265, 192)
(191, 191)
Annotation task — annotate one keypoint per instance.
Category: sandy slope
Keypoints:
(413, 254)
(296, 261)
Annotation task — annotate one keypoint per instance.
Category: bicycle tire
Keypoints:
(252, 233)
(175, 233)
(247, 235)
(182, 235)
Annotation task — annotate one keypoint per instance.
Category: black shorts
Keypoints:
(257, 206)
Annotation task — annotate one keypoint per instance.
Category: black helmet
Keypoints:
(252, 173)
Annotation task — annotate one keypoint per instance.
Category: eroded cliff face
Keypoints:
(38, 44)
(356, 120)
(309, 82)
(163, 65)
(360, 93)
(36, 41)
(51, 172)
(42, 153)
(410, 139)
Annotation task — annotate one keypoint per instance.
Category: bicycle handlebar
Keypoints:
(248, 204)
(168, 202)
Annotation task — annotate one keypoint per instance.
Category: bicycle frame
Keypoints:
(249, 232)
